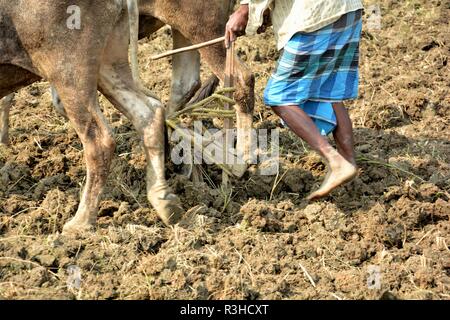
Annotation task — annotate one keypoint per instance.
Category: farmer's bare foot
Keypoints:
(340, 172)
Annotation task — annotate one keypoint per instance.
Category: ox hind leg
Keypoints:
(12, 78)
(5, 106)
(185, 74)
(88, 121)
(148, 117)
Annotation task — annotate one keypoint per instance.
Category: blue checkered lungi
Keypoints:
(318, 68)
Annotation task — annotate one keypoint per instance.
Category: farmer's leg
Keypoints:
(340, 170)
(343, 134)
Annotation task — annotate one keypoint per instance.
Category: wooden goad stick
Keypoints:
(190, 48)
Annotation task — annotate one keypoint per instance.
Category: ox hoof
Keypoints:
(77, 227)
(167, 206)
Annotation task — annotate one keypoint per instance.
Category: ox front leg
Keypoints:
(96, 137)
(148, 117)
(185, 74)
(5, 107)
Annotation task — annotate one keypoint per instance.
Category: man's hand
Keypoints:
(236, 25)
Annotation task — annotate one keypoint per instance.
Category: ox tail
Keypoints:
(206, 90)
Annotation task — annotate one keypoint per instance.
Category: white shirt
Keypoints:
(292, 16)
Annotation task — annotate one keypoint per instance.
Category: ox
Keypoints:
(35, 44)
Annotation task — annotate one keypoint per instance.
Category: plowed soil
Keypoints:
(386, 235)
